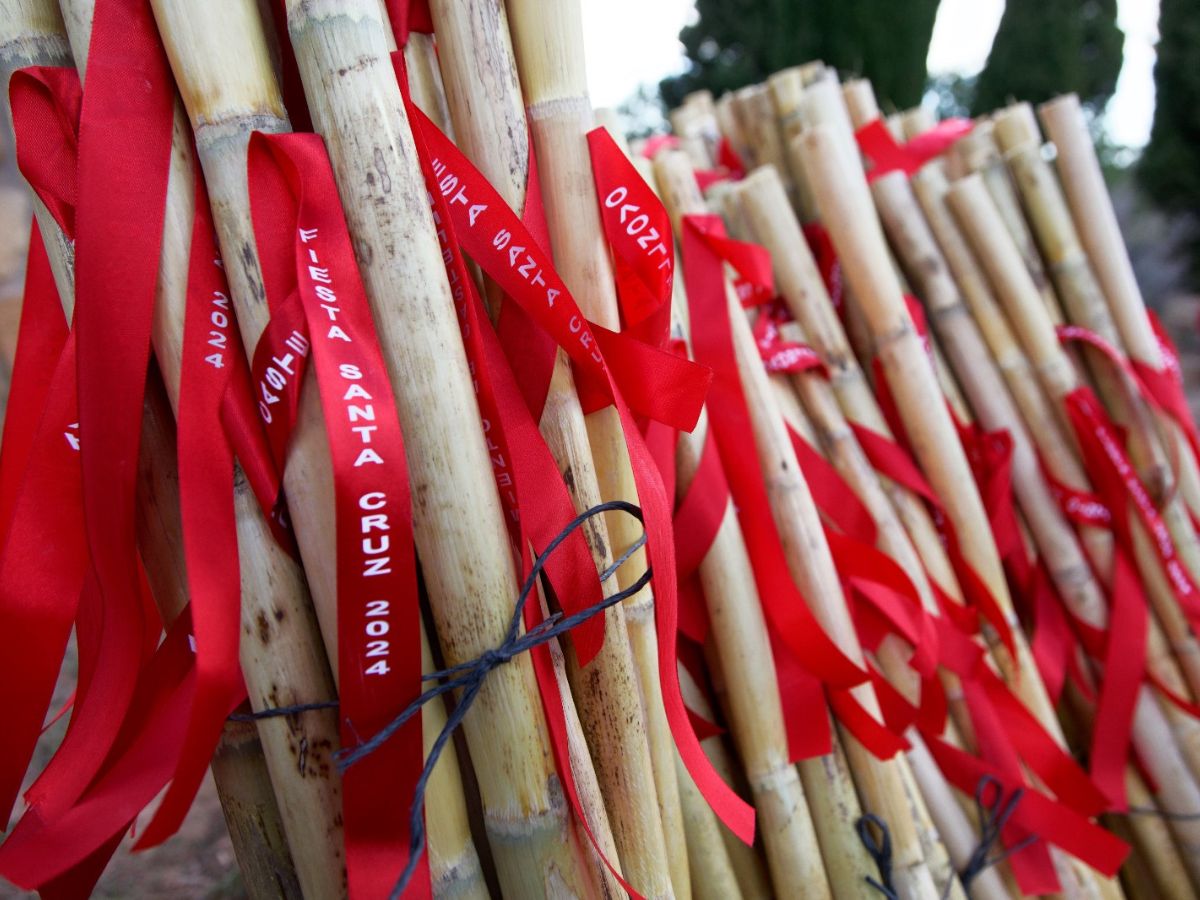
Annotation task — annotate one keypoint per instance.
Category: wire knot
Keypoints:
(880, 850)
(994, 809)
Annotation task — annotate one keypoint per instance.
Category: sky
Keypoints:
(620, 56)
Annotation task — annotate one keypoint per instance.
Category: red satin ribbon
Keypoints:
(531, 488)
(39, 593)
(1164, 386)
(407, 16)
(124, 155)
(40, 338)
(502, 246)
(792, 622)
(832, 495)
(211, 352)
(51, 98)
(656, 143)
(1118, 484)
(778, 355)
(308, 261)
(825, 256)
(886, 155)
(64, 855)
(639, 232)
(729, 159)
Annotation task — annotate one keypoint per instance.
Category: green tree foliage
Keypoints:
(1049, 47)
(1169, 169)
(738, 42)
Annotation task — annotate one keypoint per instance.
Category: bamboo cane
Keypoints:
(731, 128)
(587, 786)
(787, 92)
(755, 111)
(845, 205)
(723, 604)
(702, 133)
(548, 39)
(880, 784)
(804, 292)
(1053, 444)
(977, 152)
(825, 102)
(895, 126)
(1096, 222)
(469, 574)
(859, 99)
(454, 867)
(917, 121)
(429, 94)
(712, 874)
(833, 437)
(1050, 221)
(524, 814)
(239, 766)
(849, 111)
(479, 70)
(934, 802)
(750, 870)
(695, 124)
(837, 443)
(822, 102)
(1057, 544)
(1151, 838)
(743, 646)
(254, 818)
(1153, 845)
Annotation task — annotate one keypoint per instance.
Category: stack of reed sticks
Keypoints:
(943, 452)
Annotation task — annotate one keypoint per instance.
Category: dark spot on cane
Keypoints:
(569, 478)
(250, 265)
(385, 180)
(279, 615)
(302, 757)
(264, 627)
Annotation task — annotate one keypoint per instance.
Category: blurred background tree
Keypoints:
(738, 42)
(1049, 47)
(1169, 169)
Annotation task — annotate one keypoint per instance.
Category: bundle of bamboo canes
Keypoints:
(921, 600)
(970, 248)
